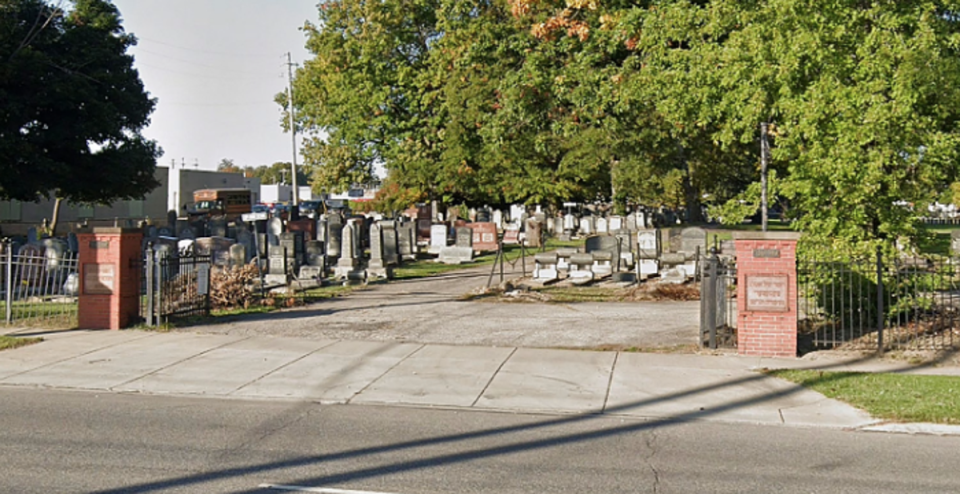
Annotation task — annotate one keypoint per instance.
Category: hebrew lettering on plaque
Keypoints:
(767, 292)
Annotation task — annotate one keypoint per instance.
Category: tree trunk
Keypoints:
(55, 217)
(694, 213)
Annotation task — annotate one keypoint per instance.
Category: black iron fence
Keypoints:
(718, 302)
(174, 287)
(39, 287)
(881, 303)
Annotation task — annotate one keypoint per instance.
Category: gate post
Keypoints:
(767, 293)
(708, 302)
(109, 295)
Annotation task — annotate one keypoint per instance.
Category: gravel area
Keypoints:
(428, 310)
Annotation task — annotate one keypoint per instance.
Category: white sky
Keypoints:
(215, 67)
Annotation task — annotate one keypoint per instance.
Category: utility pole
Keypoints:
(764, 161)
(293, 133)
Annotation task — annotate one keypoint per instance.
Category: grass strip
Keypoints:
(10, 342)
(893, 397)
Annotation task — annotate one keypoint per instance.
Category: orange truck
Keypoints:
(227, 204)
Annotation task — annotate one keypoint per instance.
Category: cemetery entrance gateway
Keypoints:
(174, 287)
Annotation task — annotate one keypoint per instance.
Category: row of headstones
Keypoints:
(670, 253)
(467, 240)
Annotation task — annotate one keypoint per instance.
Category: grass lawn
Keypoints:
(894, 397)
(8, 342)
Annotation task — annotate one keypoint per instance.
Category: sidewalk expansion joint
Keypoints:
(124, 383)
(394, 366)
(288, 364)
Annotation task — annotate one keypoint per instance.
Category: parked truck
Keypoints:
(227, 204)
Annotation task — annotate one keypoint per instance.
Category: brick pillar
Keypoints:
(767, 293)
(109, 277)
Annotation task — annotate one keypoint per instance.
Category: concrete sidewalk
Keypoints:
(636, 385)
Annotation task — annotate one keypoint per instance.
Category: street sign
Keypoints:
(250, 217)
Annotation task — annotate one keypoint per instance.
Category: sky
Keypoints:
(214, 67)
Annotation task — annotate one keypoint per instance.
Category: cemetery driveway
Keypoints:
(430, 310)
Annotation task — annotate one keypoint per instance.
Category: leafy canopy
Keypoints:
(73, 106)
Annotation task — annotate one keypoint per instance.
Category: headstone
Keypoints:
(587, 225)
(186, 232)
(217, 227)
(615, 223)
(496, 219)
(603, 225)
(456, 255)
(184, 247)
(348, 265)
(391, 248)
(563, 257)
(484, 237)
(334, 236)
(438, 238)
(246, 239)
(464, 237)
(377, 267)
(310, 273)
(277, 273)
(292, 242)
(569, 223)
(305, 225)
(164, 231)
(407, 241)
(321, 229)
(631, 223)
(545, 268)
(315, 253)
(274, 229)
(54, 252)
(72, 243)
(511, 236)
(692, 240)
(580, 272)
(218, 248)
(32, 237)
(534, 233)
(483, 216)
(238, 255)
(647, 245)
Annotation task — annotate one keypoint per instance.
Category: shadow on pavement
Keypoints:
(484, 452)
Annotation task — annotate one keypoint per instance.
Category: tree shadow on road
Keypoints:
(428, 461)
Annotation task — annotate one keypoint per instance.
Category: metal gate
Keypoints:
(718, 302)
(174, 287)
(39, 287)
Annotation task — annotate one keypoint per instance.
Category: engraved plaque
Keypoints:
(768, 292)
(766, 253)
(99, 244)
(98, 279)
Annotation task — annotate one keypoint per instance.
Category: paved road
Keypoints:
(429, 310)
(72, 442)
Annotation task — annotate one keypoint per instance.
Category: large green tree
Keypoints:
(73, 106)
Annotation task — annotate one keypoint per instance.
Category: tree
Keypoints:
(74, 106)
(229, 166)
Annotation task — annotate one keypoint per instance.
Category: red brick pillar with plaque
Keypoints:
(109, 277)
(767, 293)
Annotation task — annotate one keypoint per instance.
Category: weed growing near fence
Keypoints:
(10, 342)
